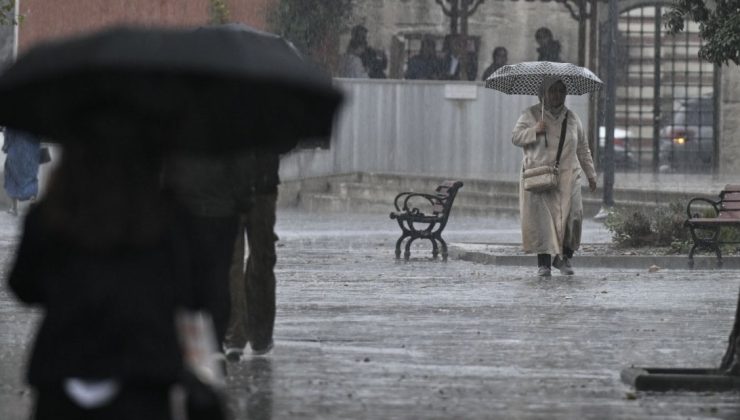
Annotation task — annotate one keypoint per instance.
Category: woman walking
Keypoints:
(551, 220)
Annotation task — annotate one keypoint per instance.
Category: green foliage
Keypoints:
(7, 13)
(719, 27)
(659, 226)
(308, 24)
(629, 228)
(219, 12)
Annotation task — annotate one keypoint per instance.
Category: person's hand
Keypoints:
(540, 127)
(592, 184)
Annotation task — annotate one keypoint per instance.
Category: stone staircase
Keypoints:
(374, 193)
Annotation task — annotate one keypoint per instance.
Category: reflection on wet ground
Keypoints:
(361, 335)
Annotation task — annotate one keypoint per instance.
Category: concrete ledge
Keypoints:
(674, 262)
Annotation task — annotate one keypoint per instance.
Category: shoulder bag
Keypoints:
(545, 178)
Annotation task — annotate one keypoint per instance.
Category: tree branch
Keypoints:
(475, 7)
(446, 11)
(719, 27)
(570, 8)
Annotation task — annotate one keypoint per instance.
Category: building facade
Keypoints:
(657, 81)
(675, 113)
(45, 20)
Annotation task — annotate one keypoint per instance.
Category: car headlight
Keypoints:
(679, 140)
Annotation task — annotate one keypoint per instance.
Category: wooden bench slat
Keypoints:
(730, 207)
(728, 214)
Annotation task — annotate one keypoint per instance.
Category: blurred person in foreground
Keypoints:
(551, 221)
(108, 258)
(23, 151)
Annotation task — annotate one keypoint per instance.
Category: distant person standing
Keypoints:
(549, 48)
(373, 60)
(23, 151)
(499, 56)
(350, 63)
(425, 64)
(455, 50)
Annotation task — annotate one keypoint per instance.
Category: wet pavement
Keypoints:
(361, 335)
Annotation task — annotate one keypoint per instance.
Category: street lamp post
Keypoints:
(611, 96)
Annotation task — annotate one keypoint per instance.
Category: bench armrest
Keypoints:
(401, 202)
(714, 204)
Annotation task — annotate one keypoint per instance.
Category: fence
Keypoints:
(433, 128)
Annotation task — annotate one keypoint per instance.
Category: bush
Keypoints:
(659, 226)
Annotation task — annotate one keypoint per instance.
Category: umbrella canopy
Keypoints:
(526, 78)
(211, 89)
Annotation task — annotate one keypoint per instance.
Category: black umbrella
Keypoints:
(211, 89)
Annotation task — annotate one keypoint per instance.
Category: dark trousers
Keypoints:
(132, 402)
(253, 290)
(213, 243)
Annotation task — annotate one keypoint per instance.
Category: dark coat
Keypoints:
(446, 64)
(490, 70)
(421, 67)
(549, 52)
(107, 313)
(222, 186)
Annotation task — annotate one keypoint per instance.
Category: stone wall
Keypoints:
(422, 127)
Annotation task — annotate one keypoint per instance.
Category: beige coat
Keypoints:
(552, 220)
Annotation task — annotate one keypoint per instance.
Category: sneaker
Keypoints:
(260, 350)
(233, 354)
(563, 264)
(543, 271)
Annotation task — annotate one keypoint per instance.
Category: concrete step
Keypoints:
(384, 194)
(333, 203)
(371, 192)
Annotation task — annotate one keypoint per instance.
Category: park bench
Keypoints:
(705, 229)
(416, 224)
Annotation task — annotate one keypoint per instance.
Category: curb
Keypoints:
(673, 262)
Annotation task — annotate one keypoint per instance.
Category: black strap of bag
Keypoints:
(562, 139)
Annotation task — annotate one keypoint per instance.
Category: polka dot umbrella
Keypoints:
(526, 78)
